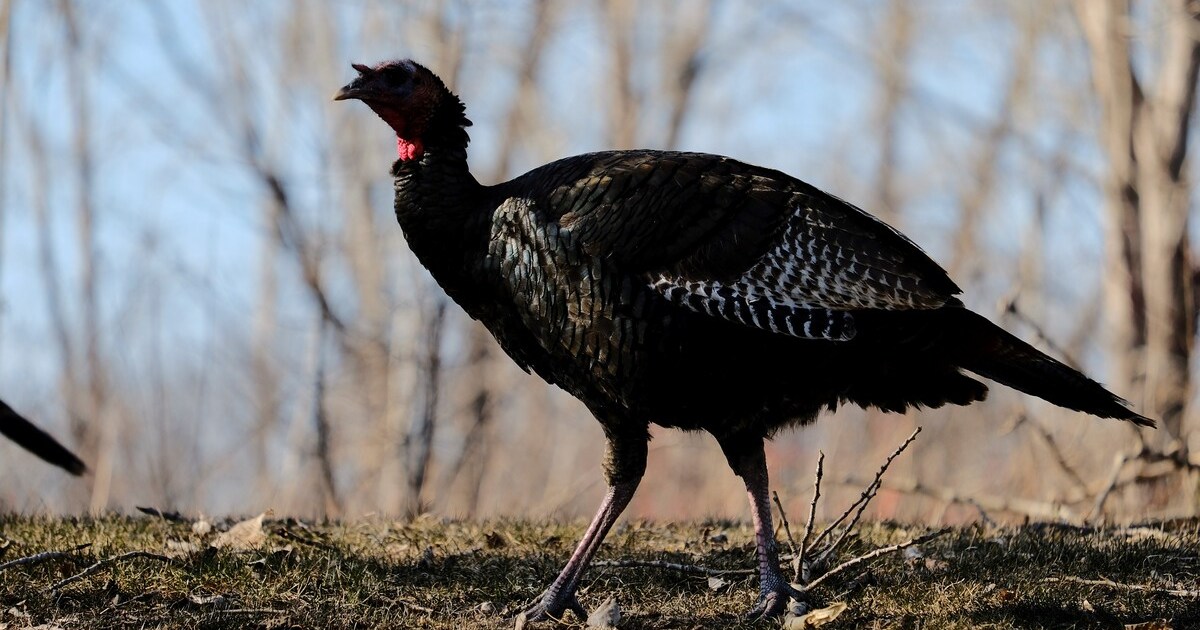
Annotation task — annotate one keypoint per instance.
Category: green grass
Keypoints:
(449, 574)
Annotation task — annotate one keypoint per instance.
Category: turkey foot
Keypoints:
(746, 457)
(551, 606)
(560, 597)
(773, 601)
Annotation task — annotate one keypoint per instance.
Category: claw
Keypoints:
(551, 608)
(775, 602)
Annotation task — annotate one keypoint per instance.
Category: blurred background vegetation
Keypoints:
(203, 289)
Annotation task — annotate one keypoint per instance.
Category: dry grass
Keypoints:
(447, 574)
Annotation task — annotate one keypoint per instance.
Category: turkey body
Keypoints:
(561, 264)
(691, 291)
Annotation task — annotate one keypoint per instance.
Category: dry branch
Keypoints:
(95, 568)
(853, 562)
(1027, 507)
(812, 511)
(690, 569)
(45, 556)
(863, 500)
(784, 522)
(1177, 592)
(1059, 457)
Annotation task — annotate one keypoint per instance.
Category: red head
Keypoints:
(405, 95)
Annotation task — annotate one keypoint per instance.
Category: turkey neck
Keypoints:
(439, 204)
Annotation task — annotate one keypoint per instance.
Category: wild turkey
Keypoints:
(37, 441)
(692, 291)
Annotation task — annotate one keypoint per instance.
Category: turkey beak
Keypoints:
(349, 92)
(355, 89)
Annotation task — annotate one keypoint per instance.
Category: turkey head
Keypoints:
(405, 94)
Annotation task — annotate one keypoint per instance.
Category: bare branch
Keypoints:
(812, 512)
(1015, 505)
(690, 569)
(863, 500)
(853, 562)
(1176, 592)
(97, 567)
(1059, 457)
(1098, 505)
(786, 528)
(45, 556)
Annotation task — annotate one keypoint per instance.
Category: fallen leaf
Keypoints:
(715, 583)
(247, 534)
(815, 618)
(606, 615)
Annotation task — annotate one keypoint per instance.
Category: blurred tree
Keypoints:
(1150, 277)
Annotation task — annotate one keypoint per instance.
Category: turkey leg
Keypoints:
(623, 467)
(749, 461)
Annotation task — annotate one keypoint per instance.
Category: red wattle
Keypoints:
(409, 149)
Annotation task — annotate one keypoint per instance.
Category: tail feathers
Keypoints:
(992, 352)
(37, 441)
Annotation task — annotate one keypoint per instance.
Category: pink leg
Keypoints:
(561, 594)
(624, 464)
(749, 462)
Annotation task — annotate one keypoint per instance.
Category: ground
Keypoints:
(430, 573)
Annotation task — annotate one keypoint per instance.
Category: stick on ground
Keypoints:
(1177, 592)
(690, 569)
(853, 562)
(95, 568)
(45, 556)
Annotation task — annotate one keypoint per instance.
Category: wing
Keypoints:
(740, 242)
(36, 441)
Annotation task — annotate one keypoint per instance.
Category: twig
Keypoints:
(863, 500)
(783, 519)
(45, 556)
(871, 556)
(1098, 506)
(1012, 308)
(1177, 592)
(812, 516)
(95, 568)
(1016, 505)
(691, 569)
(1059, 457)
(416, 607)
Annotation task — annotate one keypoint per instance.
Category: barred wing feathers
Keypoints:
(743, 243)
